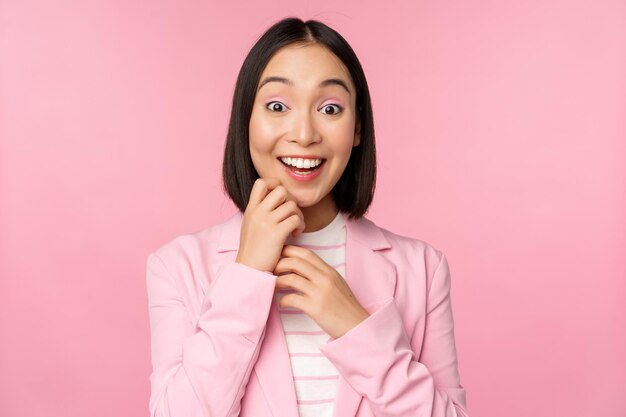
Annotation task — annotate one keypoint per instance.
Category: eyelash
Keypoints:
(334, 114)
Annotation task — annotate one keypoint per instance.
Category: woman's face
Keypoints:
(304, 109)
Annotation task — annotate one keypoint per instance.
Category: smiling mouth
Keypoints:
(302, 165)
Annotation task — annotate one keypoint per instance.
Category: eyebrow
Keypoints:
(330, 81)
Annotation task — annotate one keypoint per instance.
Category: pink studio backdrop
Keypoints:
(502, 141)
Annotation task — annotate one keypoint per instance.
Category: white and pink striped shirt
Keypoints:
(315, 377)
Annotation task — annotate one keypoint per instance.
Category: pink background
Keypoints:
(501, 132)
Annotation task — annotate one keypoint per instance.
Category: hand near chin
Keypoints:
(324, 294)
(270, 216)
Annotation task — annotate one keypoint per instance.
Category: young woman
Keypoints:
(298, 305)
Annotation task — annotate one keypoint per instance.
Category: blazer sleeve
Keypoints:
(378, 360)
(201, 369)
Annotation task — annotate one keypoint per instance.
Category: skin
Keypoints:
(301, 119)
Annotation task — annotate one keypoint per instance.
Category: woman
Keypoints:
(298, 305)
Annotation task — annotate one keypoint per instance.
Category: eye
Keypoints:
(333, 111)
(275, 106)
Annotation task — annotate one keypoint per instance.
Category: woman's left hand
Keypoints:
(326, 297)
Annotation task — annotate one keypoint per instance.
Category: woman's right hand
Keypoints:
(271, 215)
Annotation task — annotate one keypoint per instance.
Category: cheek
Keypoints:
(262, 138)
(343, 138)
(260, 135)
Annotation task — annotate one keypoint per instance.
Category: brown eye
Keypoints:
(333, 111)
(275, 106)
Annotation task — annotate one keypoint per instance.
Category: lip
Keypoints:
(303, 178)
(302, 156)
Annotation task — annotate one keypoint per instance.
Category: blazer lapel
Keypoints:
(371, 278)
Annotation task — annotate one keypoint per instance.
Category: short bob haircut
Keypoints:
(354, 190)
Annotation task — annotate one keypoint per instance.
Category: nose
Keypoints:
(304, 130)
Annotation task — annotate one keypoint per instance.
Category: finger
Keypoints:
(295, 282)
(299, 266)
(286, 210)
(276, 197)
(260, 188)
(295, 224)
(307, 255)
(294, 300)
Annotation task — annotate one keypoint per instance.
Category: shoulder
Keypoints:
(194, 245)
(417, 260)
(410, 251)
(403, 242)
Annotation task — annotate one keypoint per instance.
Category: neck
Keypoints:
(319, 215)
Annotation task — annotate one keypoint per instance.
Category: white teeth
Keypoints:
(301, 163)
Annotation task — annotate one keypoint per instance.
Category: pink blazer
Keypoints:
(218, 347)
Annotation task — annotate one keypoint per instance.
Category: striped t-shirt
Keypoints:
(315, 377)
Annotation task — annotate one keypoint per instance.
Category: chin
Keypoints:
(305, 200)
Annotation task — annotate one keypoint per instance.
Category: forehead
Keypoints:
(306, 65)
